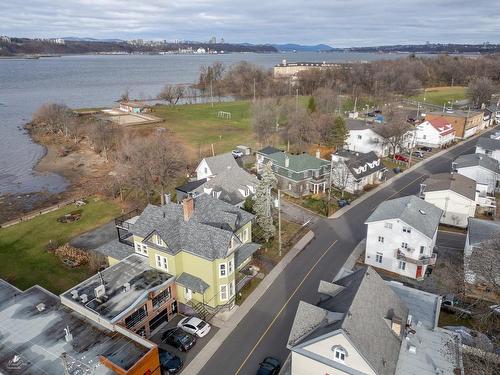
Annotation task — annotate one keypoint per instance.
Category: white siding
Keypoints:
(428, 135)
(495, 154)
(481, 176)
(457, 208)
(392, 240)
(366, 140)
(203, 170)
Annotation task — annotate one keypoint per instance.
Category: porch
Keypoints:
(420, 261)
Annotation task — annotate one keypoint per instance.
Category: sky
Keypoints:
(339, 23)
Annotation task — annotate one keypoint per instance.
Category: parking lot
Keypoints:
(191, 354)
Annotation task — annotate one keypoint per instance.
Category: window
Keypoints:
(161, 262)
(424, 137)
(488, 152)
(407, 229)
(402, 265)
(388, 225)
(230, 267)
(223, 292)
(359, 137)
(222, 270)
(380, 239)
(159, 241)
(404, 245)
(244, 235)
(141, 248)
(231, 289)
(145, 249)
(378, 258)
(206, 170)
(422, 249)
(339, 354)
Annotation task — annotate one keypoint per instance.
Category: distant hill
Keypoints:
(430, 48)
(291, 47)
(75, 39)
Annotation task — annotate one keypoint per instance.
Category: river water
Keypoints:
(96, 81)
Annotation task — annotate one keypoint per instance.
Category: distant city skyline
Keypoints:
(339, 23)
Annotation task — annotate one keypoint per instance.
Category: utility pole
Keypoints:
(279, 222)
(329, 187)
(296, 100)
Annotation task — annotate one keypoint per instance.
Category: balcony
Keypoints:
(420, 261)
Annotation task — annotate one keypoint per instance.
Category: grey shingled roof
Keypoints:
(417, 213)
(359, 159)
(474, 160)
(456, 182)
(488, 143)
(482, 230)
(115, 249)
(191, 185)
(228, 184)
(244, 251)
(268, 150)
(207, 233)
(363, 310)
(355, 124)
(219, 163)
(192, 282)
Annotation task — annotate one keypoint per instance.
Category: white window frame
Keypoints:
(379, 257)
(159, 241)
(144, 249)
(339, 354)
(402, 265)
(422, 249)
(404, 245)
(388, 225)
(231, 289)
(162, 262)
(222, 270)
(223, 295)
(407, 230)
(230, 267)
(360, 136)
(380, 239)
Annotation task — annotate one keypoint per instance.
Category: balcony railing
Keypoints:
(121, 221)
(420, 261)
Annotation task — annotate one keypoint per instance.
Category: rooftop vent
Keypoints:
(422, 212)
(100, 291)
(15, 363)
(396, 325)
(412, 349)
(67, 334)
(40, 307)
(126, 287)
(74, 294)
(84, 298)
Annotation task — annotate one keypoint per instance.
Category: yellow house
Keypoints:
(202, 241)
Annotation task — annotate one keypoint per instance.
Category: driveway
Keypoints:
(188, 356)
(95, 238)
(264, 330)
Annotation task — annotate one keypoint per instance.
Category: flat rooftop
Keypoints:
(126, 285)
(38, 337)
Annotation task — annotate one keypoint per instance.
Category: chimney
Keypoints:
(396, 325)
(188, 207)
(318, 154)
(287, 161)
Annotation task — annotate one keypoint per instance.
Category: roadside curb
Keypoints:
(389, 182)
(195, 366)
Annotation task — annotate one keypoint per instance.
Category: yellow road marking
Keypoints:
(284, 306)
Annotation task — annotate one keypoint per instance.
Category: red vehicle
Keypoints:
(401, 158)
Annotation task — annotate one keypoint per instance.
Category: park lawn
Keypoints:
(441, 95)
(24, 258)
(199, 126)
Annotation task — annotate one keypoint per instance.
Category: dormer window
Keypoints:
(339, 354)
(159, 241)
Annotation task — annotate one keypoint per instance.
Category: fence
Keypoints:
(37, 213)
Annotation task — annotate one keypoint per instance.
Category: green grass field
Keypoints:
(441, 95)
(24, 258)
(199, 126)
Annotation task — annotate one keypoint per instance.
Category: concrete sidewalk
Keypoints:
(386, 183)
(227, 327)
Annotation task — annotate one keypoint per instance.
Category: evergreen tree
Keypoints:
(263, 200)
(338, 133)
(311, 105)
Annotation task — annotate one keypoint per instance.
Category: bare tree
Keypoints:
(104, 136)
(53, 118)
(395, 131)
(483, 265)
(172, 93)
(327, 100)
(341, 176)
(300, 130)
(479, 91)
(265, 119)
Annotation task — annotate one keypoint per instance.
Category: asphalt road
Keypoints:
(264, 331)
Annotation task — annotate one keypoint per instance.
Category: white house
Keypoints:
(453, 193)
(481, 168)
(214, 165)
(489, 146)
(363, 325)
(479, 233)
(352, 171)
(437, 132)
(401, 236)
(366, 137)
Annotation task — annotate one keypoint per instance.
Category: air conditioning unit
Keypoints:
(100, 291)
(126, 287)
(74, 294)
(84, 298)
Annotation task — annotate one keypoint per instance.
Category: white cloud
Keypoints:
(338, 22)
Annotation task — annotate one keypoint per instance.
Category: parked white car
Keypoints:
(237, 154)
(194, 326)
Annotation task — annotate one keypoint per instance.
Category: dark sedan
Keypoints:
(178, 339)
(269, 366)
(170, 363)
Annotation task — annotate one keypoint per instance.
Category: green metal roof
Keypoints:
(297, 163)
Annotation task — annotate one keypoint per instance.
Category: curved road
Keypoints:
(264, 330)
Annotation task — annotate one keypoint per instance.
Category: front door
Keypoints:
(188, 294)
(419, 272)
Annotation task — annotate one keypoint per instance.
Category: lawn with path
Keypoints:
(25, 260)
(441, 95)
